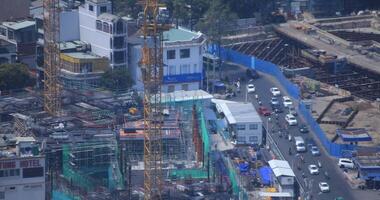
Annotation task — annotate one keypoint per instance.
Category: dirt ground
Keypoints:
(368, 118)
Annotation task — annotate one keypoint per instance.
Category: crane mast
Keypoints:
(52, 100)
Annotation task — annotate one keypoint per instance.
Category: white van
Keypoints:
(300, 144)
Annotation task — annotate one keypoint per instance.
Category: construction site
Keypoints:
(335, 63)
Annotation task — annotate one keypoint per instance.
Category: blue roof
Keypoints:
(265, 174)
(354, 135)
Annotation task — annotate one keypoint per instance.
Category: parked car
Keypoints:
(274, 101)
(286, 101)
(275, 91)
(303, 128)
(291, 120)
(264, 111)
(251, 88)
(346, 163)
(324, 187)
(313, 169)
(315, 151)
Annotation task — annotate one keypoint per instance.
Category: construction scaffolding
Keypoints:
(52, 101)
(93, 165)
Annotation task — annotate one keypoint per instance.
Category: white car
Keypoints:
(287, 101)
(324, 187)
(275, 91)
(291, 120)
(313, 169)
(251, 88)
(346, 163)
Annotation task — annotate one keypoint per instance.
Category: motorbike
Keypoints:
(326, 175)
(319, 164)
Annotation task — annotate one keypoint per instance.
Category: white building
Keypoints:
(243, 121)
(22, 172)
(285, 177)
(107, 33)
(182, 58)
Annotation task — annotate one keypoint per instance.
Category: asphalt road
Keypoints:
(338, 185)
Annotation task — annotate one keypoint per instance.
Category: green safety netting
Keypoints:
(185, 173)
(58, 195)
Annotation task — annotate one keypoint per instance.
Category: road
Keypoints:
(338, 185)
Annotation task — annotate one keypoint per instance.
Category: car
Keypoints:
(315, 151)
(324, 187)
(292, 110)
(303, 129)
(264, 111)
(313, 169)
(251, 73)
(274, 101)
(346, 163)
(277, 109)
(291, 120)
(287, 101)
(251, 88)
(275, 91)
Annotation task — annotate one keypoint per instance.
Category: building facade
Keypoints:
(107, 33)
(23, 35)
(8, 53)
(22, 170)
(182, 57)
(81, 70)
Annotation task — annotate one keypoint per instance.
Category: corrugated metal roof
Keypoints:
(180, 34)
(237, 112)
(19, 25)
(281, 168)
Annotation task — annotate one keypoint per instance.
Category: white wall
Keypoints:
(250, 133)
(178, 86)
(69, 26)
(195, 59)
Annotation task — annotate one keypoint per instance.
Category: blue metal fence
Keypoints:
(293, 90)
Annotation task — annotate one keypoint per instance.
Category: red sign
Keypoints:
(8, 165)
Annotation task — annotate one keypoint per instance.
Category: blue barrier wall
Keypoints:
(337, 150)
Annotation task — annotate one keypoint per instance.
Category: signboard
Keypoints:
(183, 78)
(20, 164)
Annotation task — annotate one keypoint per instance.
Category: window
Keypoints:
(119, 57)
(2, 195)
(170, 54)
(119, 27)
(241, 139)
(106, 27)
(171, 88)
(98, 25)
(184, 53)
(185, 69)
(3, 31)
(85, 67)
(195, 68)
(253, 139)
(240, 127)
(185, 87)
(91, 8)
(253, 127)
(172, 70)
(103, 9)
(33, 172)
(119, 42)
(10, 35)
(9, 172)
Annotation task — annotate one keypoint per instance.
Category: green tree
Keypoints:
(14, 76)
(117, 79)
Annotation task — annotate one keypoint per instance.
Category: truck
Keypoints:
(300, 144)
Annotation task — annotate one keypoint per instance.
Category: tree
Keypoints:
(14, 76)
(117, 79)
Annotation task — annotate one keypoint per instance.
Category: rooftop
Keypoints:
(354, 135)
(19, 25)
(237, 112)
(82, 55)
(180, 34)
(181, 95)
(281, 168)
(108, 17)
